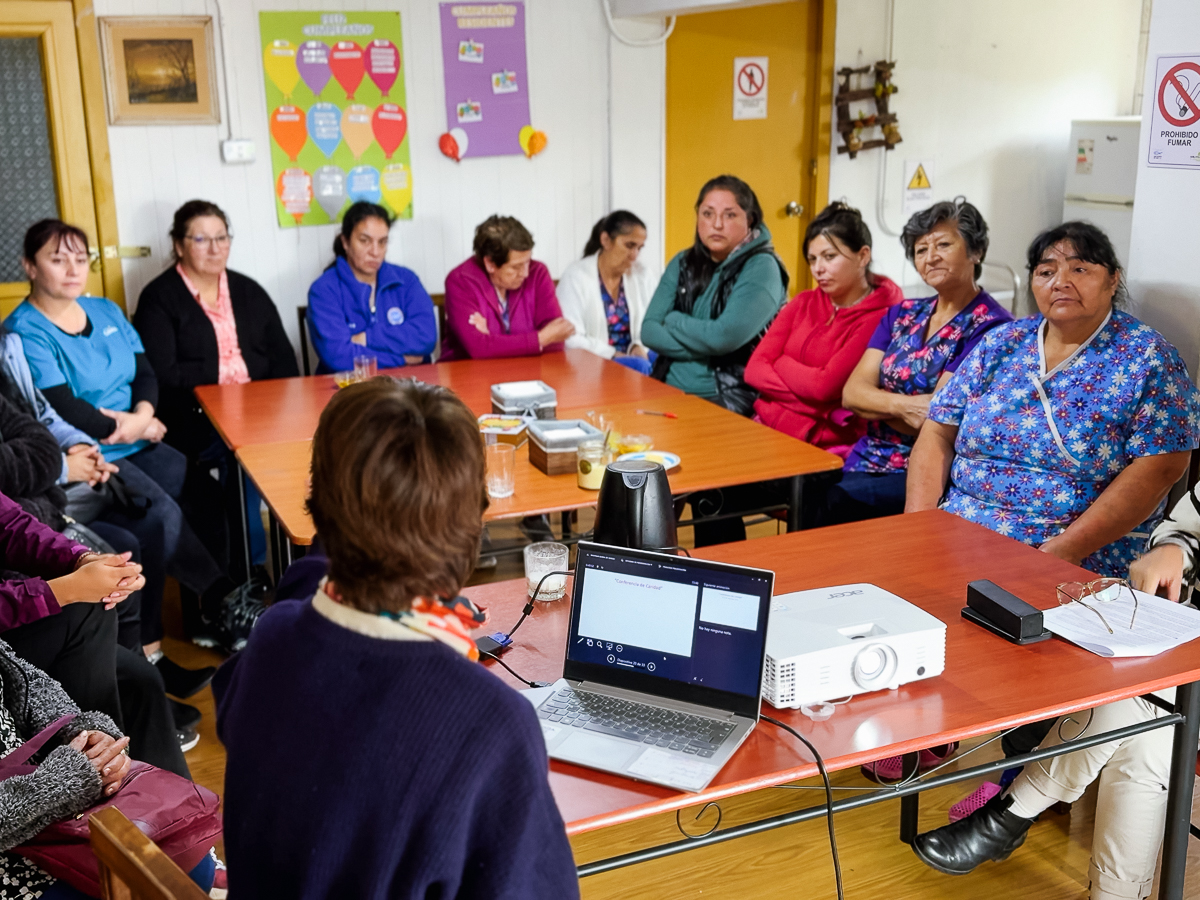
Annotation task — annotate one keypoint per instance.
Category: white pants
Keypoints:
(1131, 808)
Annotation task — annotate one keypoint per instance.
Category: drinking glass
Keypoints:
(365, 367)
(344, 379)
(501, 470)
(590, 463)
(543, 557)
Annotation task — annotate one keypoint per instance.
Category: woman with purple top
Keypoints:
(500, 302)
(915, 349)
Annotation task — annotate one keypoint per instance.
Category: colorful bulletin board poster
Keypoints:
(487, 91)
(338, 116)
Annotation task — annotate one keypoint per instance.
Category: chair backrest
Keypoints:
(131, 865)
(302, 318)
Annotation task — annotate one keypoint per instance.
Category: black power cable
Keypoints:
(528, 610)
(524, 681)
(837, 865)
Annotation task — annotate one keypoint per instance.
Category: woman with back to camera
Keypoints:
(203, 323)
(501, 301)
(1066, 430)
(363, 305)
(605, 294)
(917, 346)
(717, 298)
(383, 655)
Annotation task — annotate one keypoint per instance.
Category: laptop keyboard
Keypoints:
(696, 735)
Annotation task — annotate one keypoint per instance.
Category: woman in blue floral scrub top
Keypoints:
(1064, 430)
(917, 344)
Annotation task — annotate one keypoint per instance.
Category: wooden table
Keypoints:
(718, 449)
(988, 684)
(287, 409)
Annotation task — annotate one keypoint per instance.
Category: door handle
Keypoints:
(124, 252)
(794, 210)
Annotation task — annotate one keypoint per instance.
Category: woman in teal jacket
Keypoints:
(717, 298)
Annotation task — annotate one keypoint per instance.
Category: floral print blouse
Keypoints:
(617, 313)
(912, 365)
(1035, 448)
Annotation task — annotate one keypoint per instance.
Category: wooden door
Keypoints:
(784, 157)
(53, 147)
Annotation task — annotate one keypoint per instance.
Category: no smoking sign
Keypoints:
(750, 87)
(1175, 117)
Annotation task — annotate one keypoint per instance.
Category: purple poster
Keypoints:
(483, 52)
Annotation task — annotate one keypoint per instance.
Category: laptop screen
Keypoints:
(689, 629)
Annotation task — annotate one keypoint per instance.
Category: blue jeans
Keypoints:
(169, 546)
(203, 876)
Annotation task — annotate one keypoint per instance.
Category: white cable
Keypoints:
(225, 71)
(881, 188)
(654, 42)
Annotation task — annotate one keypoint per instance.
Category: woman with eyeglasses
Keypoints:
(1066, 430)
(203, 323)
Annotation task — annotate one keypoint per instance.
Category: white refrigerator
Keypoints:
(1101, 173)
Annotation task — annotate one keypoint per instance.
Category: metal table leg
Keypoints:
(1179, 797)
(241, 477)
(795, 502)
(910, 804)
(277, 539)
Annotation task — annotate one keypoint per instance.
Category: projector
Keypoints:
(841, 641)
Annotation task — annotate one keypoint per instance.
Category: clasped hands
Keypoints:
(107, 756)
(138, 425)
(106, 578)
(85, 463)
(552, 332)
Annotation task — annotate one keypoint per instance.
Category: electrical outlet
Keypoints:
(237, 150)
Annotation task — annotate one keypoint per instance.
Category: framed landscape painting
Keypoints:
(159, 70)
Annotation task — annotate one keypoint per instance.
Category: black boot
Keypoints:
(991, 832)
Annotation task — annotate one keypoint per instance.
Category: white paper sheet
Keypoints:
(1160, 626)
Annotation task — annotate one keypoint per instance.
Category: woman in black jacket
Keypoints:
(202, 323)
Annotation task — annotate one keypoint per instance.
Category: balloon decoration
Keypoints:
(397, 187)
(279, 62)
(389, 125)
(325, 127)
(312, 62)
(356, 128)
(287, 127)
(382, 62)
(295, 192)
(531, 141)
(329, 184)
(362, 183)
(346, 63)
(454, 144)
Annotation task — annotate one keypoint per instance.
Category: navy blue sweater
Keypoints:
(371, 768)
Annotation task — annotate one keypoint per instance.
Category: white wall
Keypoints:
(989, 90)
(1163, 283)
(559, 194)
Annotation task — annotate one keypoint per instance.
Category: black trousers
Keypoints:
(78, 649)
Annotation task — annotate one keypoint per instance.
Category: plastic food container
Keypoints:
(503, 429)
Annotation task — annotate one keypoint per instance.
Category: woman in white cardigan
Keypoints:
(605, 294)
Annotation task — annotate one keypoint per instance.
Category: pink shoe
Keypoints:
(977, 800)
(891, 770)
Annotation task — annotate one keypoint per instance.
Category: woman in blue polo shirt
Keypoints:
(91, 366)
(362, 305)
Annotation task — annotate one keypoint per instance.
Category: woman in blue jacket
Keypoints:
(362, 305)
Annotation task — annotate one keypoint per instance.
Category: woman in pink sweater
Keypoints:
(500, 302)
(803, 361)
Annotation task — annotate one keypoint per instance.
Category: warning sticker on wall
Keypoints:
(918, 185)
(1175, 113)
(750, 87)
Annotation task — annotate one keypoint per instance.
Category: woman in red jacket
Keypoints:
(803, 361)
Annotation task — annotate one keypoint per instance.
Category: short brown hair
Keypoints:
(397, 492)
(497, 236)
(54, 231)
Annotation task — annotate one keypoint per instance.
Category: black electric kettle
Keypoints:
(634, 508)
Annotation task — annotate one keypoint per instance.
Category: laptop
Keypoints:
(664, 665)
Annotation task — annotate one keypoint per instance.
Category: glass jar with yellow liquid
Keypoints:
(590, 464)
